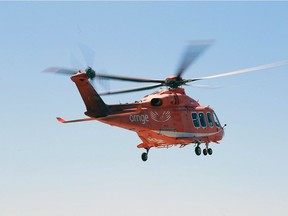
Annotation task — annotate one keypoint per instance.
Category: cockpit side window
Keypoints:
(210, 121)
(202, 119)
(216, 120)
(195, 120)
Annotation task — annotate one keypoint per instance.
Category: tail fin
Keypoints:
(94, 104)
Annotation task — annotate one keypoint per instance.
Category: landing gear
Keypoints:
(206, 150)
(144, 155)
(198, 151)
(210, 152)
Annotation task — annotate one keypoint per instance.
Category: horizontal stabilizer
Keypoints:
(76, 120)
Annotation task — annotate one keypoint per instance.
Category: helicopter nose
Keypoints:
(223, 131)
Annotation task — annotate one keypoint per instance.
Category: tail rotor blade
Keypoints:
(75, 63)
(88, 54)
(103, 82)
(60, 70)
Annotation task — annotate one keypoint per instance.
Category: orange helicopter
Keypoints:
(164, 118)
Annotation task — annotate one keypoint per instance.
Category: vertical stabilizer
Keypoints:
(94, 104)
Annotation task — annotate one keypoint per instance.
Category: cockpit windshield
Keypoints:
(216, 120)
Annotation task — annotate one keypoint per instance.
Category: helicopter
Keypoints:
(162, 119)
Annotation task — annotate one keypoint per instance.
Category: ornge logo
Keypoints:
(139, 118)
(166, 115)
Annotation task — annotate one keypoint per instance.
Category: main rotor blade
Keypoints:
(60, 70)
(192, 52)
(131, 79)
(262, 67)
(206, 86)
(131, 89)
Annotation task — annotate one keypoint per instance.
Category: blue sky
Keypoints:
(90, 168)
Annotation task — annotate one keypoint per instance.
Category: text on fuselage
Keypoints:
(143, 119)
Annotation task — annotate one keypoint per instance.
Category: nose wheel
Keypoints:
(144, 155)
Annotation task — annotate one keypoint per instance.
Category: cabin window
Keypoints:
(195, 120)
(216, 120)
(202, 119)
(210, 121)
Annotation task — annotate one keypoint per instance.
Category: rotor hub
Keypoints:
(91, 74)
(174, 81)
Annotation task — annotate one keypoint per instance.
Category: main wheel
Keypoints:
(205, 151)
(144, 156)
(198, 150)
(210, 151)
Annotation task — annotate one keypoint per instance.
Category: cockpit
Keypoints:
(204, 117)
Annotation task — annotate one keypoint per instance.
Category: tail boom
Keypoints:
(94, 104)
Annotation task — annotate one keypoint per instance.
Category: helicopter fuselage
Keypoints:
(161, 119)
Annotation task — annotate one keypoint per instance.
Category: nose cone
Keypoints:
(221, 133)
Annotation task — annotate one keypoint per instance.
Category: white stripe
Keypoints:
(185, 134)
